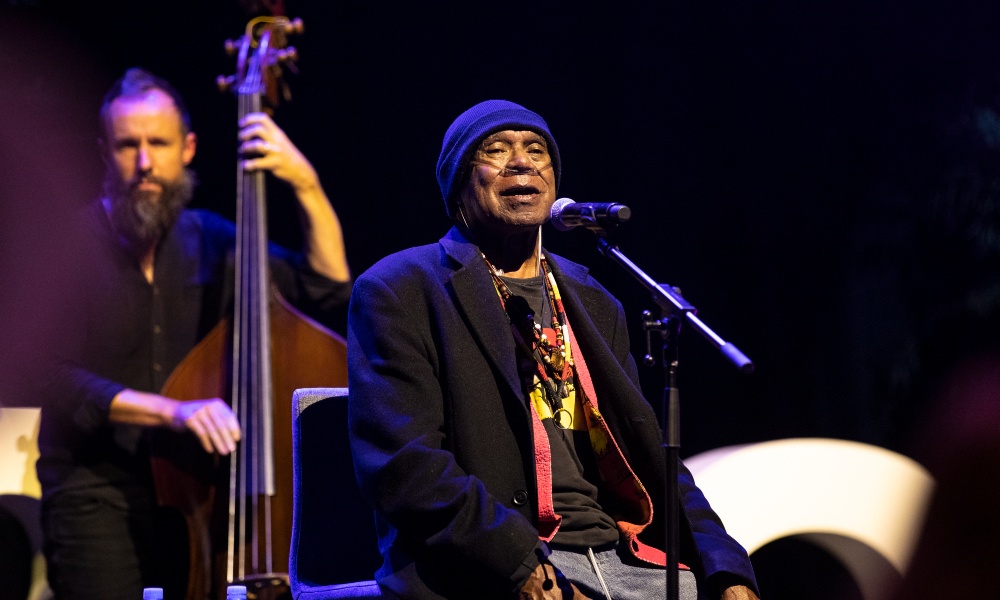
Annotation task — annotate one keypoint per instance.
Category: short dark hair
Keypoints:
(136, 82)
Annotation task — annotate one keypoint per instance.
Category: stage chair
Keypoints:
(334, 551)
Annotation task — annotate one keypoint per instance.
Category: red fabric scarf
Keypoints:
(616, 474)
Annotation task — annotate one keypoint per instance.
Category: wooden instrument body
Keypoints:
(304, 354)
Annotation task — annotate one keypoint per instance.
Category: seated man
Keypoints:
(496, 418)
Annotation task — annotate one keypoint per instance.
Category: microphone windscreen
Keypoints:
(555, 213)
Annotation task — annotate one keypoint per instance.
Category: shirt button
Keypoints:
(157, 367)
(520, 498)
(156, 329)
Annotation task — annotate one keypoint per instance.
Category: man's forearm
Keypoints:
(323, 236)
(141, 408)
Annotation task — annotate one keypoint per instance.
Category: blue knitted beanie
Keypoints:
(464, 135)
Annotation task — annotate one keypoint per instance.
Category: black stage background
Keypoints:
(779, 159)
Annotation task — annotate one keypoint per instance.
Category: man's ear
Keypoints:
(190, 145)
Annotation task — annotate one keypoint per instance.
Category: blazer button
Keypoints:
(520, 498)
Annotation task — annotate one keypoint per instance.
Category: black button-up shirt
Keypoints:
(124, 332)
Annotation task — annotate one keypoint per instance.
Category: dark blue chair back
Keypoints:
(334, 551)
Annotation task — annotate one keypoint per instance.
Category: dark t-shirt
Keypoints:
(575, 493)
(124, 332)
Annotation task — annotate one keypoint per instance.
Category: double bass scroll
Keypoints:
(238, 509)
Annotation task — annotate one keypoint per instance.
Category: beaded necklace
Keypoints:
(553, 358)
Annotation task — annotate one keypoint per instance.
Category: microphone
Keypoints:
(567, 214)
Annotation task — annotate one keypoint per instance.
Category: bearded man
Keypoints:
(158, 277)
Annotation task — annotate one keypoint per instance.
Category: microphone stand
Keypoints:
(674, 308)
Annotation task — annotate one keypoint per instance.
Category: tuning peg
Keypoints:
(225, 83)
(287, 56)
(233, 46)
(295, 26)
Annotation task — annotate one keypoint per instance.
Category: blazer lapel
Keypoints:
(477, 299)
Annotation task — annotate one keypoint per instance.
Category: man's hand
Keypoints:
(211, 420)
(547, 583)
(739, 592)
(265, 146)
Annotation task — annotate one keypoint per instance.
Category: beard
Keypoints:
(142, 218)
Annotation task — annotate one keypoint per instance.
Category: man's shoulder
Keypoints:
(204, 219)
(571, 272)
(576, 277)
(566, 267)
(406, 263)
(205, 225)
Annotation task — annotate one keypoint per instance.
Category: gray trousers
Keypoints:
(602, 574)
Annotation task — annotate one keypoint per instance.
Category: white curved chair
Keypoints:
(20, 491)
(863, 504)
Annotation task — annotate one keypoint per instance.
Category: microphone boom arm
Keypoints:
(671, 302)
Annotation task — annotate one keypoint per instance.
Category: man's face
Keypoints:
(511, 185)
(146, 151)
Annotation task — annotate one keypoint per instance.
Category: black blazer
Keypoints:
(441, 434)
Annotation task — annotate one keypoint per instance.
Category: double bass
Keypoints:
(238, 509)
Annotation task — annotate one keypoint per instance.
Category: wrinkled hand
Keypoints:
(265, 146)
(739, 592)
(547, 583)
(212, 421)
